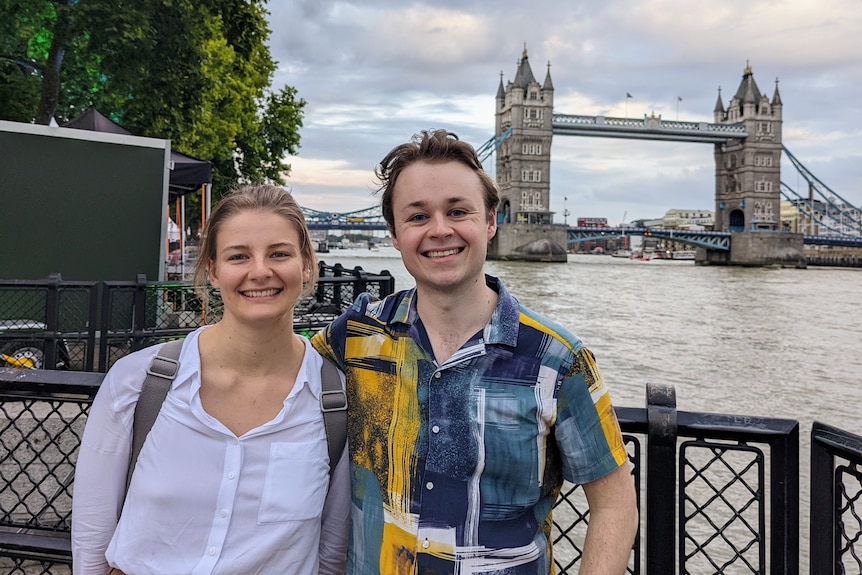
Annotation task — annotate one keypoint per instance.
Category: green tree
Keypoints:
(196, 72)
(24, 42)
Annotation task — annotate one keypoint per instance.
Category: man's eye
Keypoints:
(458, 213)
(417, 218)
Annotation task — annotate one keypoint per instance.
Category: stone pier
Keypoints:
(759, 248)
(529, 242)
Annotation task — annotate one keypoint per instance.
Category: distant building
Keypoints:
(695, 220)
(819, 218)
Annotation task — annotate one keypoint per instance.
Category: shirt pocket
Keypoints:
(297, 479)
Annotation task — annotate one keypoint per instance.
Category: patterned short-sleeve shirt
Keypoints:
(456, 466)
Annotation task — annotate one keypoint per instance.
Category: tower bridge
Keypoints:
(746, 136)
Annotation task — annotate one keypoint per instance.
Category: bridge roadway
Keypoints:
(649, 128)
(713, 240)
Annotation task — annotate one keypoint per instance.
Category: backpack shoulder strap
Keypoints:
(333, 404)
(163, 368)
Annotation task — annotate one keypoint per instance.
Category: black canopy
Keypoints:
(187, 173)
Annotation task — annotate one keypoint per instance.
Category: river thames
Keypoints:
(768, 342)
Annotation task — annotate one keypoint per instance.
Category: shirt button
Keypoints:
(231, 475)
(435, 429)
(212, 550)
(429, 486)
(235, 440)
(223, 513)
(425, 544)
(436, 375)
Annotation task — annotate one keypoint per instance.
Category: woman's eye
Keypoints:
(235, 257)
(417, 218)
(458, 213)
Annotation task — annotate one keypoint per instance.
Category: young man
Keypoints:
(467, 409)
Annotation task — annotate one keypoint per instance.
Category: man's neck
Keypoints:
(451, 318)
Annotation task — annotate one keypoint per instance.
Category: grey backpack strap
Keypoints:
(160, 374)
(333, 404)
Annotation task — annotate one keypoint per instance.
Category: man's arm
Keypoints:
(613, 523)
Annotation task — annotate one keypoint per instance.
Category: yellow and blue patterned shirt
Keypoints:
(455, 467)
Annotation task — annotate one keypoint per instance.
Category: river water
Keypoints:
(768, 342)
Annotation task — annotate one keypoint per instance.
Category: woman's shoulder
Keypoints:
(128, 372)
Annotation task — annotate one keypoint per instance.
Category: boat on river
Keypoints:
(642, 256)
(683, 254)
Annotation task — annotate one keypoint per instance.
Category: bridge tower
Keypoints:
(747, 171)
(525, 222)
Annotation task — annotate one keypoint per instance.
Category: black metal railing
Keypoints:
(42, 417)
(836, 499)
(87, 326)
(706, 493)
(721, 491)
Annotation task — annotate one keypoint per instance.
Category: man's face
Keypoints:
(441, 226)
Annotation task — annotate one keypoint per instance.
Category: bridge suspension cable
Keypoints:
(814, 181)
(485, 150)
(808, 210)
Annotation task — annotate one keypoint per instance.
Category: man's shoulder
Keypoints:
(541, 325)
(383, 310)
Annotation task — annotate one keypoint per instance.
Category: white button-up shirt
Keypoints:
(203, 500)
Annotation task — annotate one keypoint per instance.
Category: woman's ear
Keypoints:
(211, 272)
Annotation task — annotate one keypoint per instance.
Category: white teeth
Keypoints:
(443, 254)
(260, 293)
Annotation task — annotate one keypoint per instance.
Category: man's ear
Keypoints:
(492, 223)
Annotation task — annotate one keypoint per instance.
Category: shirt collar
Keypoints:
(502, 328)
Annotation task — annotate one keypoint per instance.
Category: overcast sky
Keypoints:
(374, 72)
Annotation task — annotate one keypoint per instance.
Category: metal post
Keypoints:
(661, 480)
(139, 314)
(822, 505)
(784, 504)
(52, 321)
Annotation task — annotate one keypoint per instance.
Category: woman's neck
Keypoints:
(251, 349)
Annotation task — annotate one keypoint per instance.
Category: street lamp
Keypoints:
(565, 211)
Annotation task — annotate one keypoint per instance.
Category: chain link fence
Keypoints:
(87, 326)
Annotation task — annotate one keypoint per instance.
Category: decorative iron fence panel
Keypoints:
(710, 470)
(836, 500)
(42, 418)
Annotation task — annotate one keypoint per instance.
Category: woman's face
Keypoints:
(258, 267)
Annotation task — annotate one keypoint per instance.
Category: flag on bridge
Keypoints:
(629, 95)
(679, 98)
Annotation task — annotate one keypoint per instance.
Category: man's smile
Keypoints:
(443, 253)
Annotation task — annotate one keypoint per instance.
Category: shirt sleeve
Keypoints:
(329, 342)
(586, 430)
(100, 481)
(335, 527)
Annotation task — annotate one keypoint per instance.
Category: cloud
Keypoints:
(376, 72)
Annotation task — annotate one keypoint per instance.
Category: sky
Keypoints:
(375, 72)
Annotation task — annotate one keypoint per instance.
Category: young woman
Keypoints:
(234, 475)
